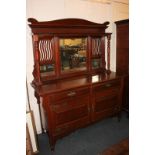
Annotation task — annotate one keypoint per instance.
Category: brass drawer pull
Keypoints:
(108, 85)
(65, 104)
(60, 129)
(72, 93)
(59, 105)
(54, 107)
(117, 108)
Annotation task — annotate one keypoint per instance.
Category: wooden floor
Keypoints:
(122, 148)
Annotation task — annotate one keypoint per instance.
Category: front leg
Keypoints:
(52, 141)
(119, 116)
(39, 105)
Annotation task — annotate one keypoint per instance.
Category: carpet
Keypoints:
(90, 140)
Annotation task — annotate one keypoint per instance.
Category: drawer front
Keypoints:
(108, 85)
(70, 126)
(69, 94)
(70, 103)
(64, 116)
(70, 109)
(99, 95)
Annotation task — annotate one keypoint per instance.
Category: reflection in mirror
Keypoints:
(73, 53)
(46, 70)
(96, 63)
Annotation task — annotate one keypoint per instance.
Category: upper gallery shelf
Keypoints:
(69, 47)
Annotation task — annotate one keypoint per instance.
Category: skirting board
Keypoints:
(32, 130)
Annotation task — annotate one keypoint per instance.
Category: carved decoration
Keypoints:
(46, 51)
(96, 47)
(36, 70)
(108, 52)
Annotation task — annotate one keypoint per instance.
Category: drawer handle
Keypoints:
(108, 85)
(57, 106)
(72, 93)
(58, 129)
(65, 104)
(61, 129)
(117, 108)
(54, 107)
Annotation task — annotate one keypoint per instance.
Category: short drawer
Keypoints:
(71, 126)
(107, 85)
(64, 116)
(69, 103)
(102, 93)
(68, 94)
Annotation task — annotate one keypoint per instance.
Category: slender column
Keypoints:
(103, 52)
(36, 70)
(108, 53)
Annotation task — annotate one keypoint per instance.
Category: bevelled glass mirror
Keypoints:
(73, 54)
(47, 70)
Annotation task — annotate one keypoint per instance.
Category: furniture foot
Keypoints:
(52, 143)
(119, 116)
(52, 147)
(126, 112)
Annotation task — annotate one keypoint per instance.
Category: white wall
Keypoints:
(44, 10)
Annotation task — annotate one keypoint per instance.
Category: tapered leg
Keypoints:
(52, 143)
(119, 116)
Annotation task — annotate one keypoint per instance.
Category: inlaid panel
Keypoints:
(46, 50)
(46, 57)
(96, 46)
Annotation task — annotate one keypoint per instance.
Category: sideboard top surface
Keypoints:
(75, 82)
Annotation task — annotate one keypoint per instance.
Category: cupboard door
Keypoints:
(105, 105)
(106, 99)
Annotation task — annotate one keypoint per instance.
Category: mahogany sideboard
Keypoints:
(72, 74)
